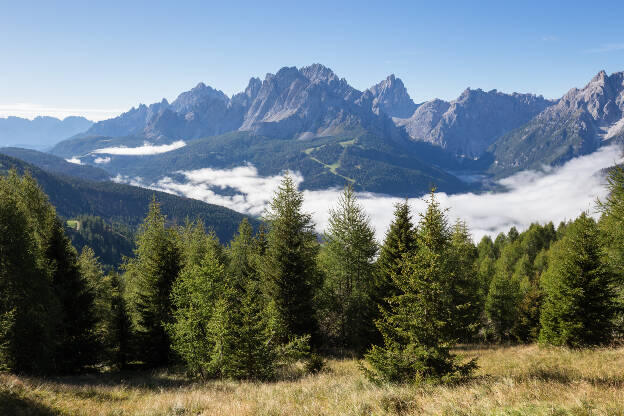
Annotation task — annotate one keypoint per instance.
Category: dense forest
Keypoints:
(279, 295)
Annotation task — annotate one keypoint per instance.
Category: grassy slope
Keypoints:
(522, 380)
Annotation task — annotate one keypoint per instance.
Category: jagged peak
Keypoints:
(318, 72)
(600, 76)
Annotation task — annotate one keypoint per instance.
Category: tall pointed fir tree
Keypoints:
(347, 259)
(289, 270)
(400, 240)
(418, 326)
(149, 277)
(578, 285)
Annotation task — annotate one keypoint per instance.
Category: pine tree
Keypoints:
(418, 326)
(289, 272)
(579, 306)
(348, 262)
(149, 277)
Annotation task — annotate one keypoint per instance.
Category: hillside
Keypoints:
(56, 164)
(117, 203)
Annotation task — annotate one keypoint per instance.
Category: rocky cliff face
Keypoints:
(578, 124)
(472, 122)
(390, 97)
(293, 103)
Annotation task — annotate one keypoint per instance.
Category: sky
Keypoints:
(82, 58)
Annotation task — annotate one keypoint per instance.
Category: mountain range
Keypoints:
(40, 132)
(380, 140)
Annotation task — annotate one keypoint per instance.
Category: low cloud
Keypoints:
(554, 194)
(100, 160)
(146, 149)
(74, 160)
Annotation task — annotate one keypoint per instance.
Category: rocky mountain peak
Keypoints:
(390, 97)
(317, 73)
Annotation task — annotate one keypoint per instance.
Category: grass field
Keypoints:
(518, 380)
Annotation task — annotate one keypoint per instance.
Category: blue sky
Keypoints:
(77, 57)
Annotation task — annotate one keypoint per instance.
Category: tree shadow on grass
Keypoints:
(13, 404)
(153, 380)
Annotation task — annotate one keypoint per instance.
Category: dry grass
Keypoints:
(519, 380)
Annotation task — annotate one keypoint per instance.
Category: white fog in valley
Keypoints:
(554, 194)
(146, 149)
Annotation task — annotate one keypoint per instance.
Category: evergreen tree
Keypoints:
(579, 298)
(289, 271)
(465, 285)
(223, 326)
(501, 304)
(612, 231)
(348, 262)
(113, 322)
(418, 326)
(149, 277)
(74, 330)
(400, 239)
(119, 329)
(29, 312)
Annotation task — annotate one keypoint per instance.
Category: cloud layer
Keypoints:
(74, 160)
(146, 149)
(554, 194)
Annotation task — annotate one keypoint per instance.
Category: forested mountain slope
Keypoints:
(118, 203)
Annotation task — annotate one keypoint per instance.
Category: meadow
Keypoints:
(511, 380)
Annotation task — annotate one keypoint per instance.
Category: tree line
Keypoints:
(282, 297)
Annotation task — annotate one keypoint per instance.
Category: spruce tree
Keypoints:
(400, 239)
(149, 277)
(348, 289)
(418, 325)
(578, 287)
(289, 272)
(223, 326)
